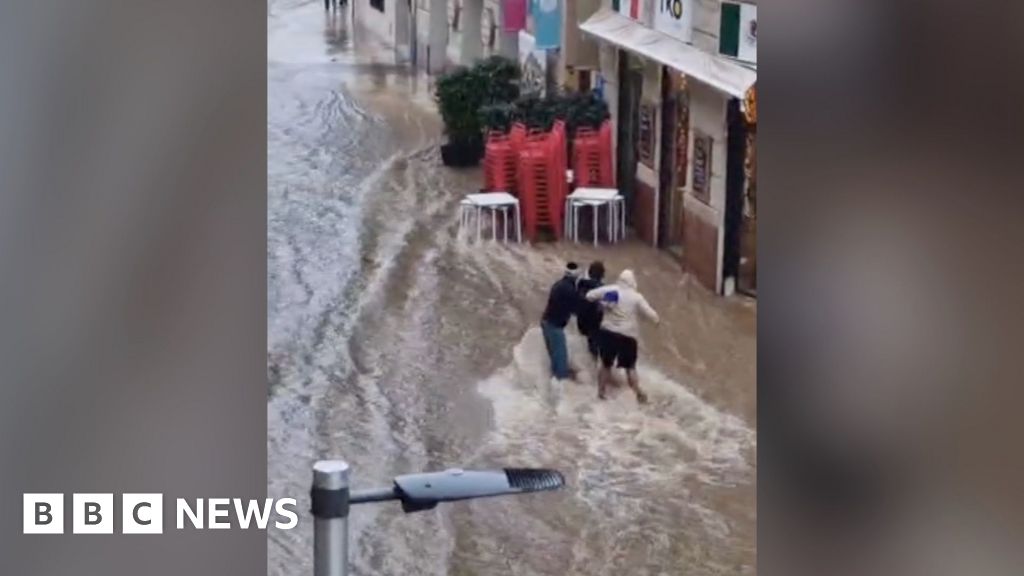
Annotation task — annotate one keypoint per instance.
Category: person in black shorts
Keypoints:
(617, 340)
(588, 317)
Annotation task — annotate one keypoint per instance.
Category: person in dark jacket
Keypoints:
(563, 302)
(588, 318)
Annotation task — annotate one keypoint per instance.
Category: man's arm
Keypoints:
(648, 311)
(598, 293)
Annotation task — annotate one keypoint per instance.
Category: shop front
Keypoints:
(747, 279)
(676, 145)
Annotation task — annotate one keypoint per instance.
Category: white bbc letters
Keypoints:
(196, 517)
(92, 514)
(142, 514)
(43, 513)
(218, 509)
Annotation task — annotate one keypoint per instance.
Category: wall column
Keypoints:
(472, 20)
(438, 46)
(403, 29)
(508, 42)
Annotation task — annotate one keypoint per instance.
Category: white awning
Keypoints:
(721, 73)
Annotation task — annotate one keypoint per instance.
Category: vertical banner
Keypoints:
(513, 15)
(701, 186)
(547, 23)
(738, 32)
(534, 65)
(645, 140)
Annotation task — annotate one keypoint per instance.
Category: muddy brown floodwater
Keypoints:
(400, 347)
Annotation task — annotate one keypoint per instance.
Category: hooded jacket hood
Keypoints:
(627, 279)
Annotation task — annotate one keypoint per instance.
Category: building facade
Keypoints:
(437, 34)
(678, 76)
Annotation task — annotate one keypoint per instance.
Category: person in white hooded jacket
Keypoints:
(620, 329)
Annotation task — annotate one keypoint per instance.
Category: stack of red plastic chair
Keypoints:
(500, 163)
(586, 158)
(533, 189)
(592, 157)
(607, 165)
(559, 165)
(517, 136)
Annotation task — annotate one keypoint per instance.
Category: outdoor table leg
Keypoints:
(575, 222)
(565, 218)
(622, 216)
(611, 222)
(595, 208)
(504, 212)
(494, 224)
(479, 217)
(519, 224)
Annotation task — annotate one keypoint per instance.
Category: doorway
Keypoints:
(630, 85)
(736, 147)
(747, 280)
(673, 159)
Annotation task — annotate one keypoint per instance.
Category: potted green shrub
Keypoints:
(458, 95)
(461, 94)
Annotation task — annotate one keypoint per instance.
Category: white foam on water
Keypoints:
(619, 456)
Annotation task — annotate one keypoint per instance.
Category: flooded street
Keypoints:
(400, 347)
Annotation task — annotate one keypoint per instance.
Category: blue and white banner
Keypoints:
(547, 23)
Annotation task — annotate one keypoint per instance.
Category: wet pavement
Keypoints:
(397, 345)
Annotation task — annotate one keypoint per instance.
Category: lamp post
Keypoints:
(331, 499)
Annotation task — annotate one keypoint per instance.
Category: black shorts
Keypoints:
(617, 349)
(594, 344)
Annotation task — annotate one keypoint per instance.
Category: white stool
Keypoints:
(475, 204)
(619, 208)
(595, 206)
(595, 198)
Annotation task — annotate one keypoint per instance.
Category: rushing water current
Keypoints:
(400, 347)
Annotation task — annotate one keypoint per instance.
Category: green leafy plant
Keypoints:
(458, 97)
(501, 77)
(463, 92)
(577, 109)
(497, 117)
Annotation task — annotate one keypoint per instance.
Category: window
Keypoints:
(378, 4)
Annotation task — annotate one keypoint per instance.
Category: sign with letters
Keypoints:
(645, 139)
(702, 166)
(675, 18)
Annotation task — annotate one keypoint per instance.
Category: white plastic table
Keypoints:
(595, 198)
(495, 202)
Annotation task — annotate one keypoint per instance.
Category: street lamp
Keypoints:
(331, 499)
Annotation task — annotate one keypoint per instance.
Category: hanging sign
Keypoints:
(738, 32)
(675, 18)
(513, 15)
(645, 145)
(547, 23)
(702, 166)
(533, 64)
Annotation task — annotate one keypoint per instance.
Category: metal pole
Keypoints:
(330, 505)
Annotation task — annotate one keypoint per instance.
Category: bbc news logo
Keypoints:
(144, 513)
